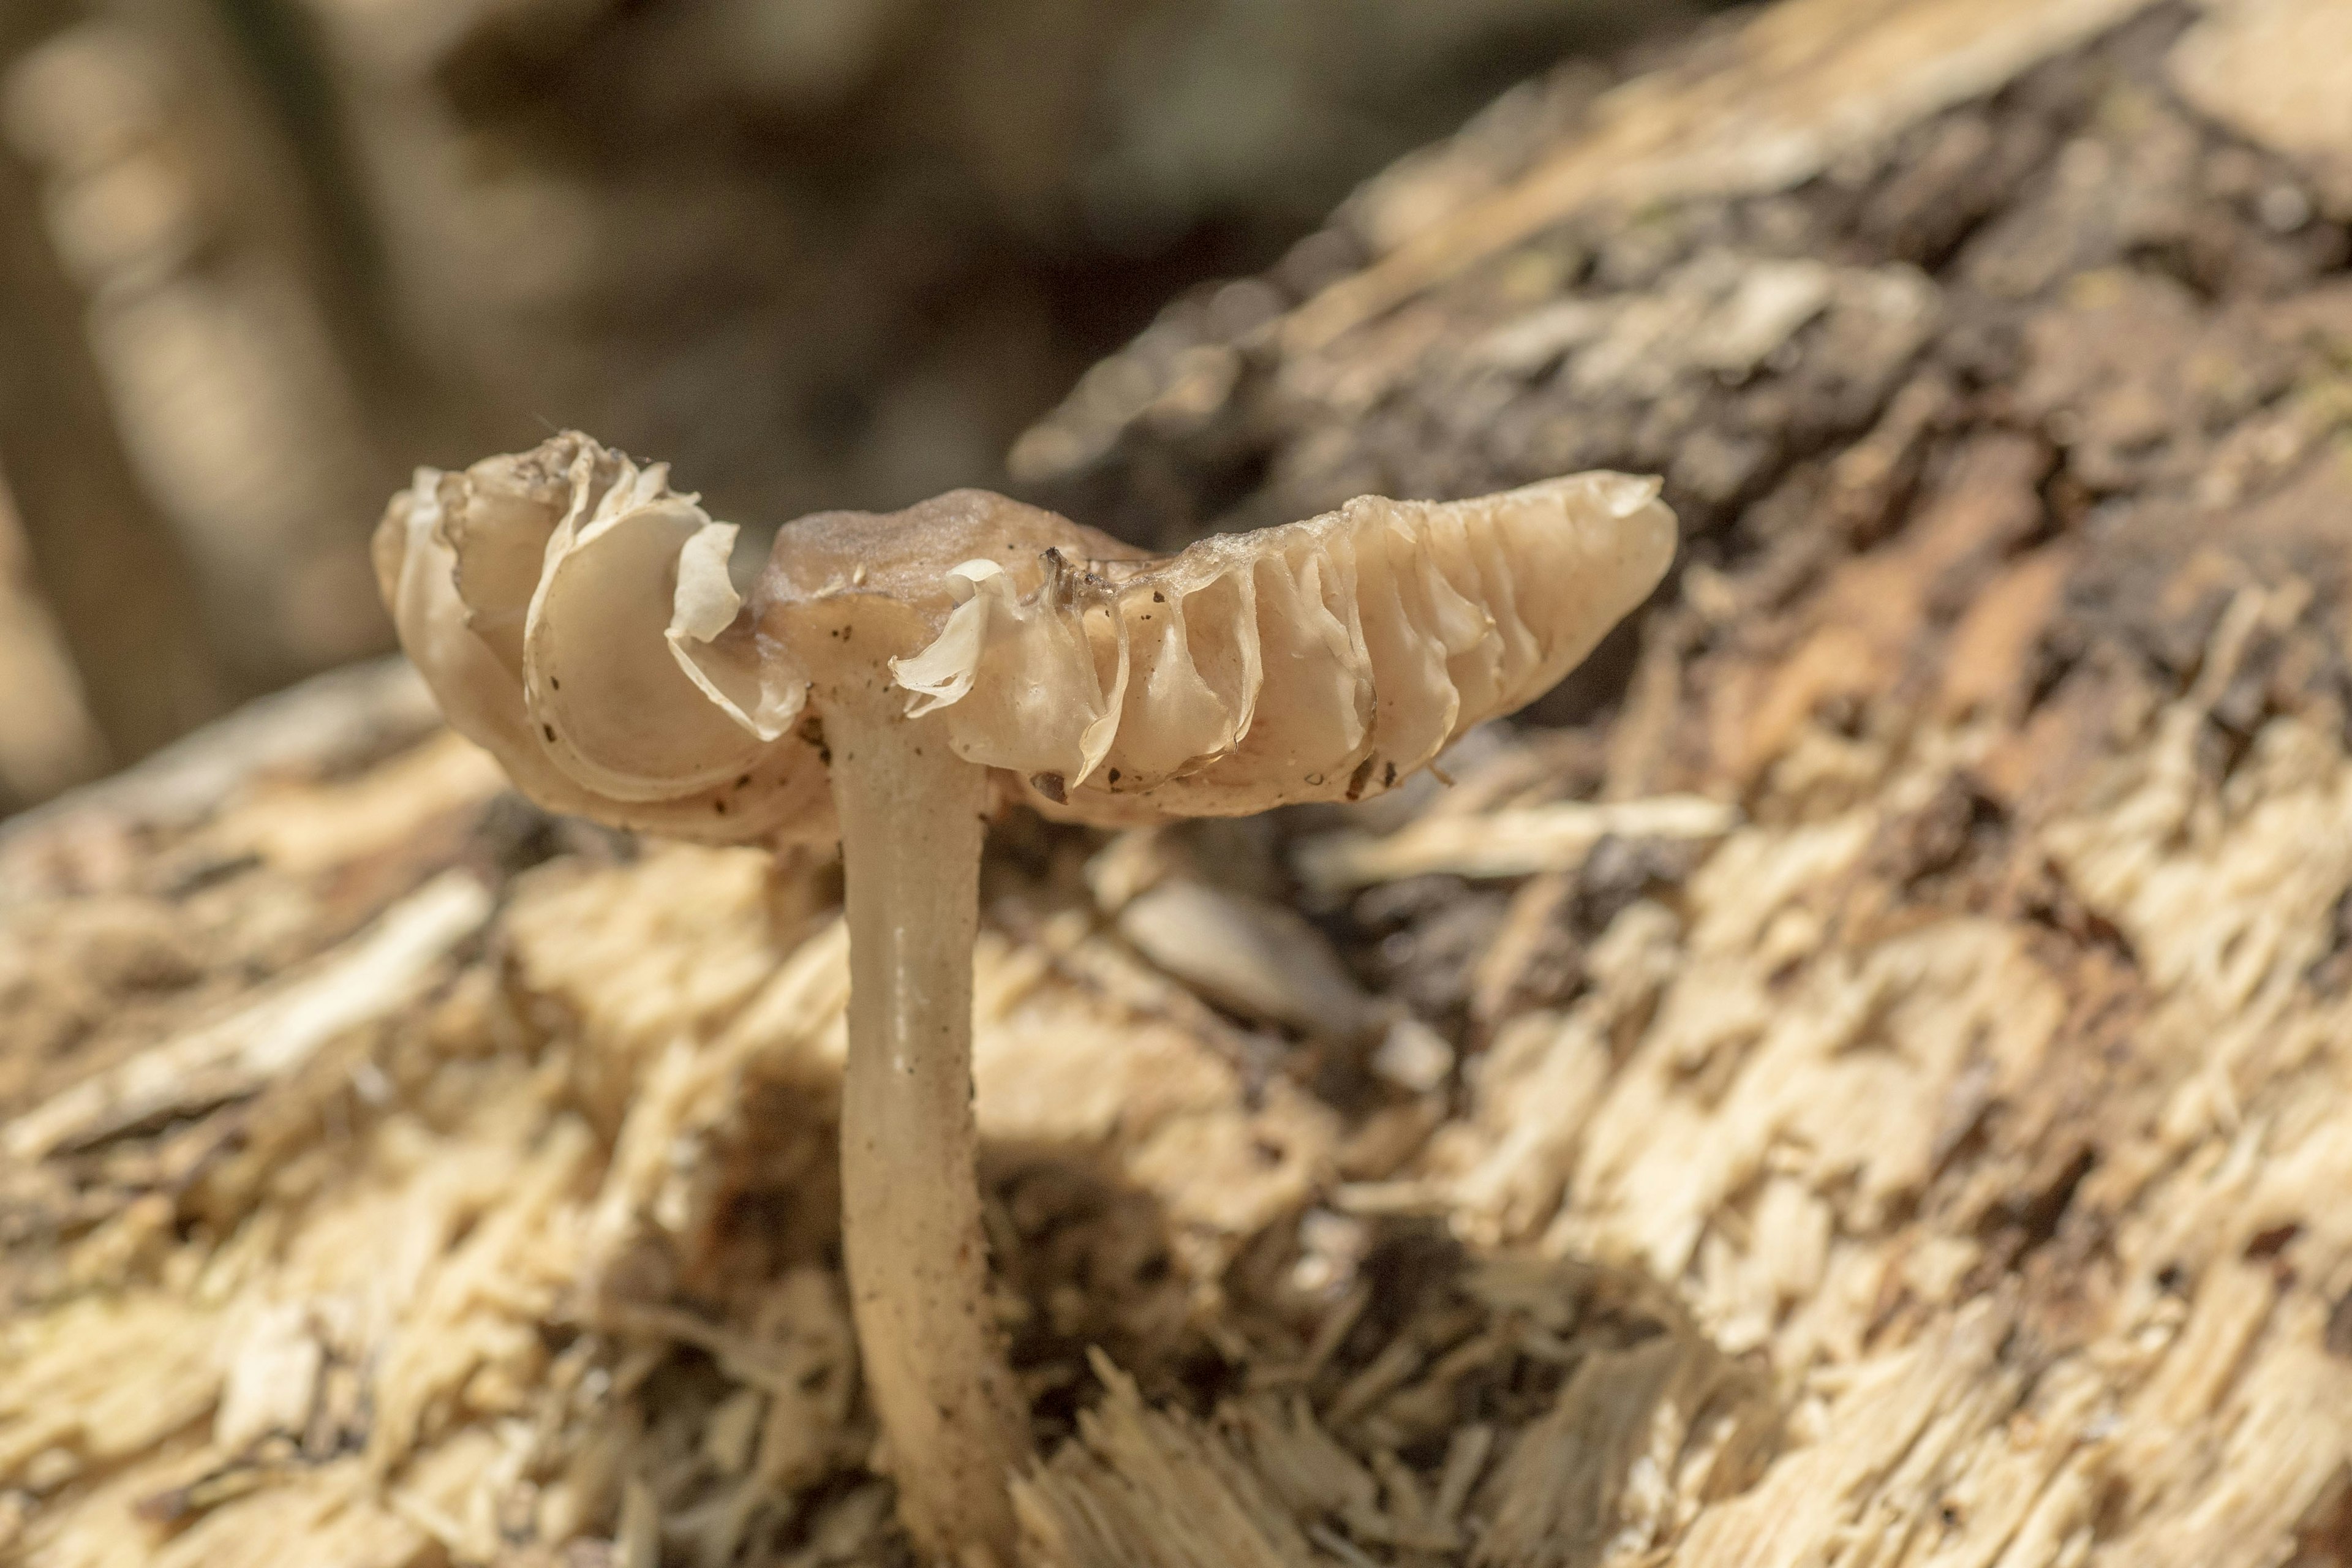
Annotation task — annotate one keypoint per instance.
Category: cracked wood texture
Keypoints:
(1862, 1078)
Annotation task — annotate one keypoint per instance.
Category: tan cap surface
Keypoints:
(574, 615)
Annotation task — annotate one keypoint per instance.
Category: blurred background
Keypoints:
(259, 258)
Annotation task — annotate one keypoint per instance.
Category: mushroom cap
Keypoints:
(906, 557)
(1319, 661)
(572, 615)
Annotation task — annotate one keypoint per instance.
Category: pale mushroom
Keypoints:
(921, 660)
(493, 574)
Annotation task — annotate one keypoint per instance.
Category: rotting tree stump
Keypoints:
(1866, 1080)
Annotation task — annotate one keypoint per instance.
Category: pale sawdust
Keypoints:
(542, 1271)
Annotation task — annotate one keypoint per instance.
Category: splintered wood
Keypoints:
(1874, 1088)
(509, 1220)
(528, 1246)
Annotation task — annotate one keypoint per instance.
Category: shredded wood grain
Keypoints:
(1936, 1155)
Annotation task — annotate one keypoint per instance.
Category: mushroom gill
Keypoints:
(573, 617)
(1322, 660)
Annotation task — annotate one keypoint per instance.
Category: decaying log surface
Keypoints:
(1871, 1085)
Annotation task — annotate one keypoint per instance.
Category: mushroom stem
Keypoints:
(918, 1259)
